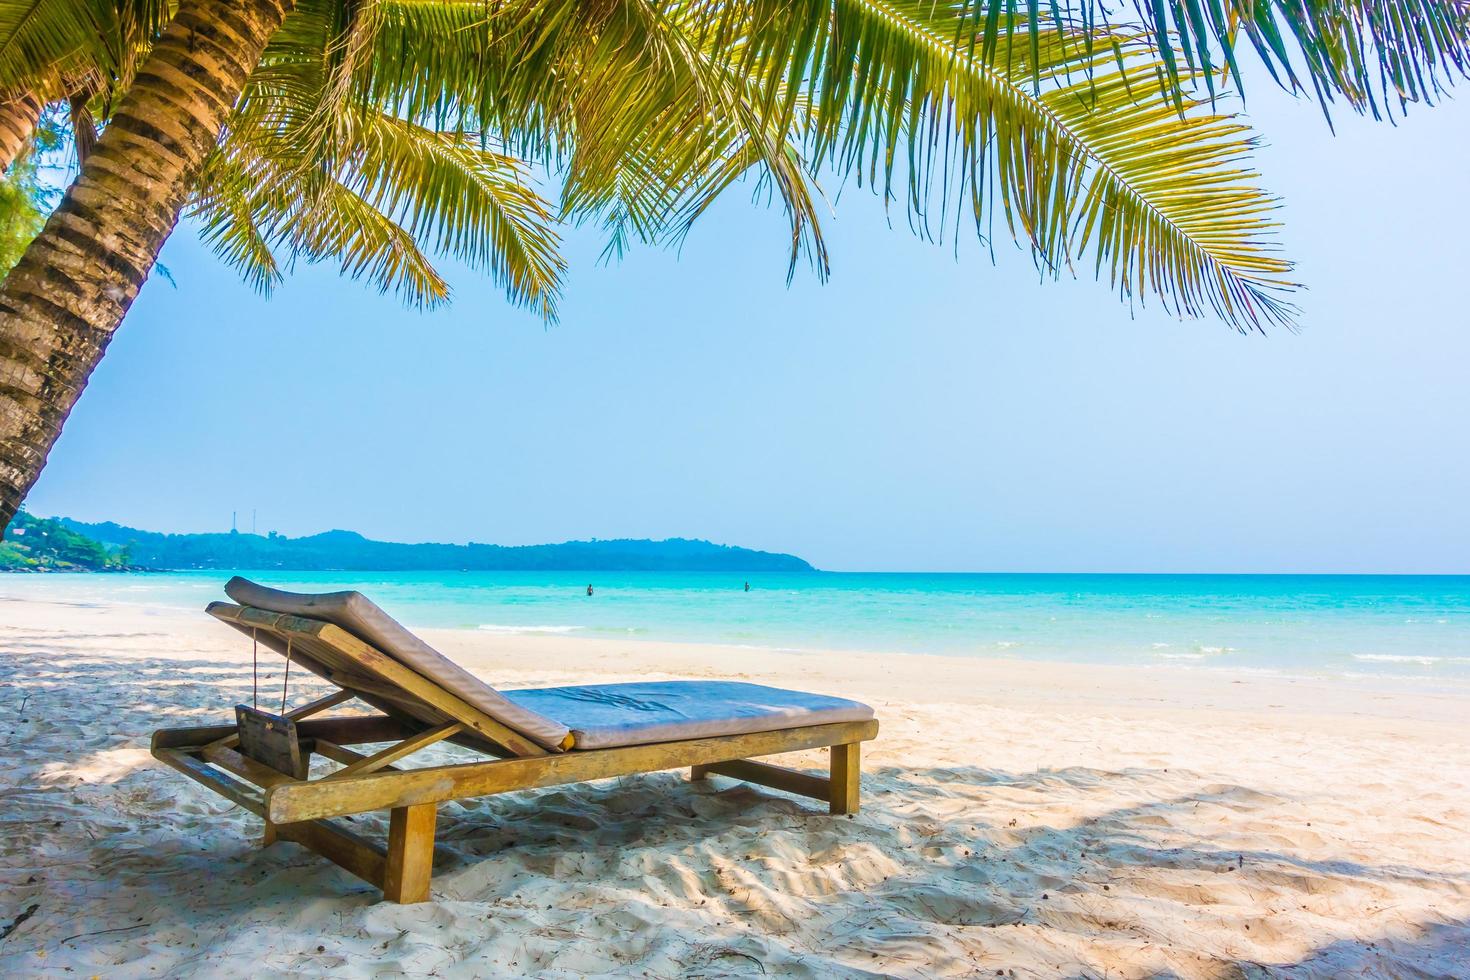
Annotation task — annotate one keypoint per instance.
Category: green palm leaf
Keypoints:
(410, 192)
(55, 47)
(1065, 132)
(621, 100)
(1373, 54)
(307, 166)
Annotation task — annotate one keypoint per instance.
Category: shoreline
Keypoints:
(1169, 688)
(1186, 684)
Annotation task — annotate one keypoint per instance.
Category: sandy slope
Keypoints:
(1042, 820)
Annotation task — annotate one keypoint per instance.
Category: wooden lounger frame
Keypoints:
(416, 713)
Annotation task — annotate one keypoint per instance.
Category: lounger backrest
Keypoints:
(360, 616)
(335, 655)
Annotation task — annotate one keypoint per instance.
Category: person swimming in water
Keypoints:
(747, 586)
(589, 588)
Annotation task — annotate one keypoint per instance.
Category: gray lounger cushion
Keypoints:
(609, 715)
(358, 615)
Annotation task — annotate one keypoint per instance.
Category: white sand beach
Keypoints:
(1032, 819)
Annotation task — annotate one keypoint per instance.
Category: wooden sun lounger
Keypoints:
(414, 713)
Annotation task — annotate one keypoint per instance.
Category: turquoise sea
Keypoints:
(1407, 626)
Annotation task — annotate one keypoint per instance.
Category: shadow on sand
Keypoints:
(958, 870)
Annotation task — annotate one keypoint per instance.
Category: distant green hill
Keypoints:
(350, 551)
(34, 544)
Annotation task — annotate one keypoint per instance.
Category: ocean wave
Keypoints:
(498, 628)
(1208, 651)
(1391, 658)
(1181, 656)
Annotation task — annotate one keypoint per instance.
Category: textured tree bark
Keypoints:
(61, 304)
(18, 117)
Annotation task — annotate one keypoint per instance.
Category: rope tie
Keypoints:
(285, 684)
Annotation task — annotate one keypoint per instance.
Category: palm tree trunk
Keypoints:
(18, 117)
(62, 302)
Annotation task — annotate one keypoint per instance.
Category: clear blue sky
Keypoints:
(916, 412)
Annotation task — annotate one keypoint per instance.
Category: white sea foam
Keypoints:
(1390, 658)
(1181, 656)
(498, 628)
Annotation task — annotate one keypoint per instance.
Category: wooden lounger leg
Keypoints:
(698, 773)
(840, 791)
(410, 853)
(846, 777)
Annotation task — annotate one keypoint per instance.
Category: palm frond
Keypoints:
(59, 48)
(662, 127)
(249, 221)
(344, 227)
(310, 169)
(1065, 132)
(1375, 55)
(620, 99)
(472, 203)
(238, 221)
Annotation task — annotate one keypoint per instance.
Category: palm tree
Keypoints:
(25, 198)
(19, 114)
(1086, 136)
